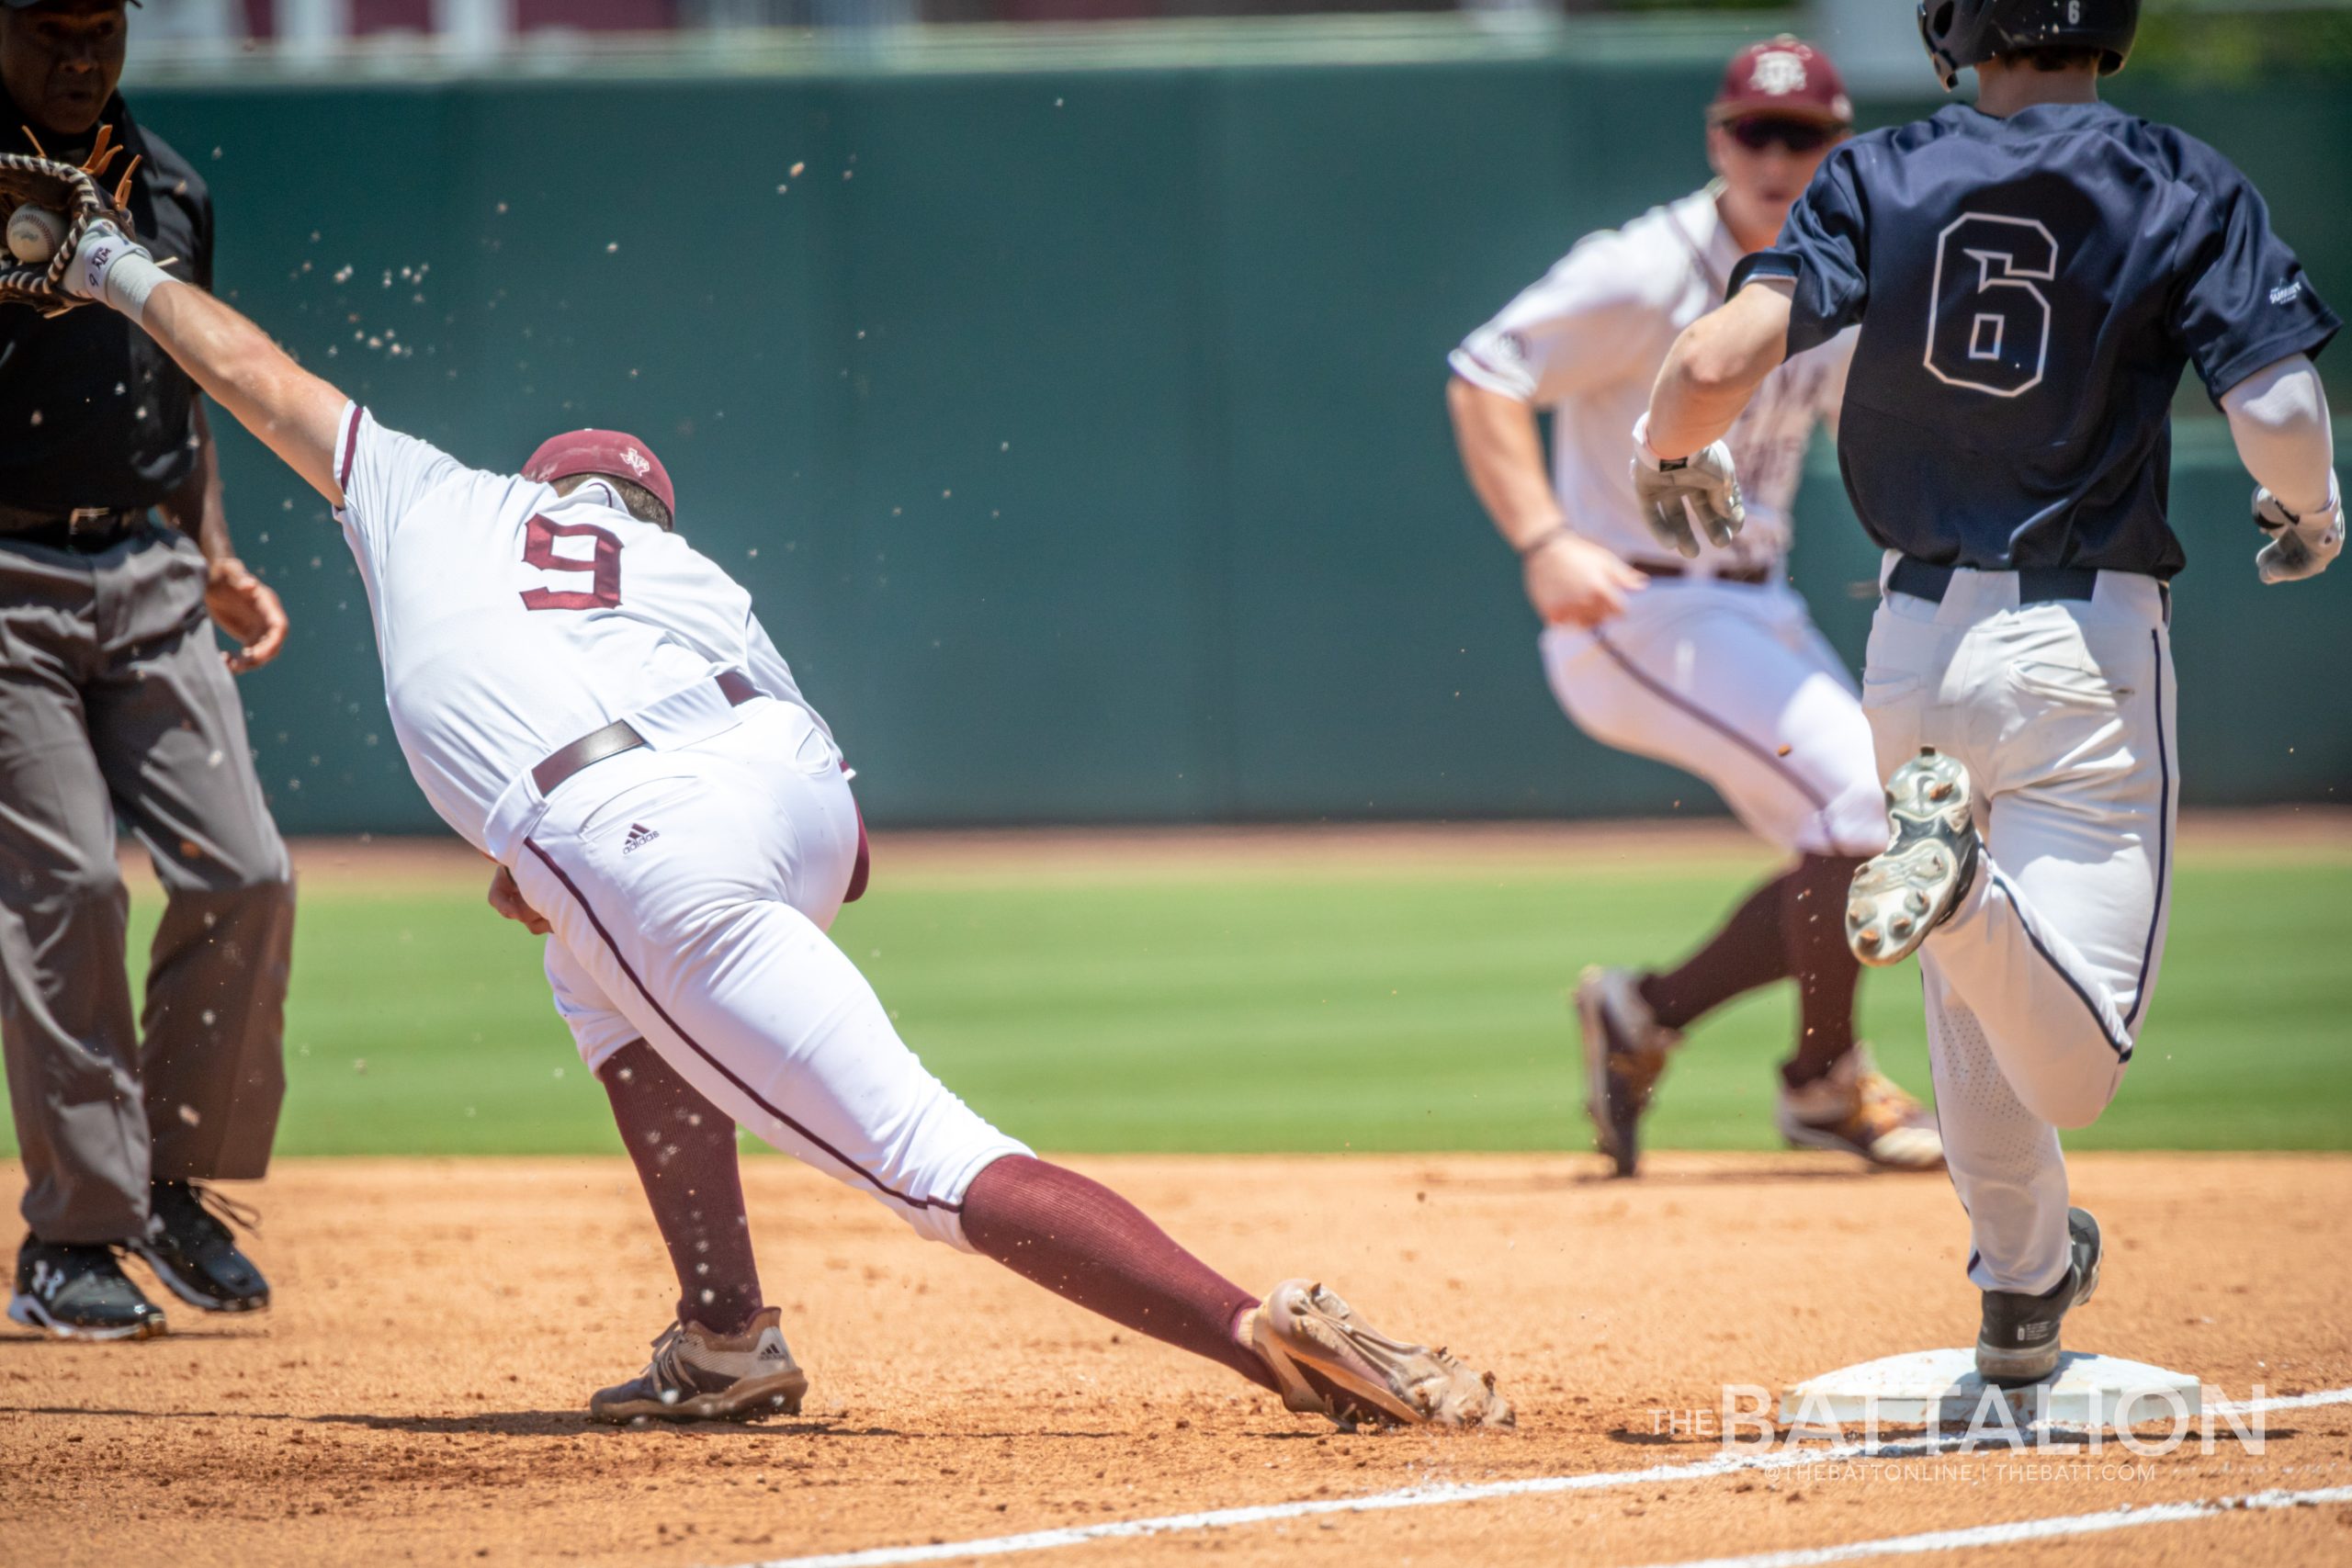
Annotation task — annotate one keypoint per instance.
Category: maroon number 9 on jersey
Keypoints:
(539, 549)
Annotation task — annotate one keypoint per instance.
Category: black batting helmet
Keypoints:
(1966, 32)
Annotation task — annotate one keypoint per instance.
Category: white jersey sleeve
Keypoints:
(770, 674)
(382, 475)
(1597, 318)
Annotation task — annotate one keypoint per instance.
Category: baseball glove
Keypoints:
(74, 194)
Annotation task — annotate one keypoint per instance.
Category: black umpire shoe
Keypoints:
(195, 1255)
(79, 1291)
(2019, 1341)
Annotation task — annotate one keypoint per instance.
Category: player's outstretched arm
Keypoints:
(1715, 366)
(291, 412)
(1568, 580)
(2278, 419)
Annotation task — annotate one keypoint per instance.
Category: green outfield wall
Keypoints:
(1080, 429)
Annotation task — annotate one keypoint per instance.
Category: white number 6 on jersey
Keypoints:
(2074, 10)
(1988, 326)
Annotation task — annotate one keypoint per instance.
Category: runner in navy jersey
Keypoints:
(2030, 276)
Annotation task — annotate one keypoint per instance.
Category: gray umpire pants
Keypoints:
(114, 701)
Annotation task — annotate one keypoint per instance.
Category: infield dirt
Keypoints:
(415, 1395)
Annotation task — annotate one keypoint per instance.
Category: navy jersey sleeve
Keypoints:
(2242, 301)
(1823, 250)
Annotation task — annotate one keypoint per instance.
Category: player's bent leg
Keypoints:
(1718, 687)
(723, 1355)
(1735, 686)
(767, 1019)
(2056, 948)
(1088, 1244)
(683, 1149)
(2034, 1257)
(1747, 951)
(2004, 1160)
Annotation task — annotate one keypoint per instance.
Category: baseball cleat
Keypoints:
(1624, 1053)
(79, 1291)
(1902, 894)
(2019, 1344)
(193, 1252)
(696, 1375)
(1858, 1109)
(1330, 1362)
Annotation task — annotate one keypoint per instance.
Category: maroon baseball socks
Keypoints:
(1089, 1245)
(683, 1147)
(1744, 954)
(1052, 1226)
(1793, 925)
(1812, 927)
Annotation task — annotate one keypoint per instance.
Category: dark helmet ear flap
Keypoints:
(1935, 28)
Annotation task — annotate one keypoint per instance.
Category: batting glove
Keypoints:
(114, 269)
(1682, 497)
(2300, 546)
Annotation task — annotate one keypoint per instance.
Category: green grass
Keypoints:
(1290, 1010)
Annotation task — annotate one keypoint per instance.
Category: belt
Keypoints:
(78, 528)
(2036, 584)
(621, 735)
(1748, 576)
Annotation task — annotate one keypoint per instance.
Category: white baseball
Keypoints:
(34, 233)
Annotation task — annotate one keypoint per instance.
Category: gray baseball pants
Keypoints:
(114, 701)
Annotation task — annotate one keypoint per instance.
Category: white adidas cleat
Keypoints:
(696, 1375)
(1902, 894)
(1330, 1362)
(1859, 1111)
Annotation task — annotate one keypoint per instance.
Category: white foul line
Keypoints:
(2123, 1519)
(1429, 1497)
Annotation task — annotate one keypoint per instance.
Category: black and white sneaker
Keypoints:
(2019, 1344)
(1625, 1049)
(1911, 888)
(193, 1252)
(79, 1291)
(696, 1375)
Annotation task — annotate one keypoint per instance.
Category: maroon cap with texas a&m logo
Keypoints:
(1785, 78)
(601, 452)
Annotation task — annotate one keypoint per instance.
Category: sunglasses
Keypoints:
(1757, 133)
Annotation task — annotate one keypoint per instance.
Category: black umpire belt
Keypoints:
(77, 528)
(621, 735)
(2036, 584)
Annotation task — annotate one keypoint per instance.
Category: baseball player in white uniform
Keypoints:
(593, 704)
(1707, 658)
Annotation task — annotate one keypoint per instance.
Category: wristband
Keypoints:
(129, 281)
(1641, 447)
(1550, 536)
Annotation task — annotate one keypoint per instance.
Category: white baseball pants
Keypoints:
(1733, 684)
(690, 890)
(2062, 712)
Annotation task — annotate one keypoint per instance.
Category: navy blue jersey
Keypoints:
(2028, 289)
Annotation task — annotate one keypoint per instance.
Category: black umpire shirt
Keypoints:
(92, 413)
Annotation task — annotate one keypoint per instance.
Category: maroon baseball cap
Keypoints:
(601, 452)
(1783, 77)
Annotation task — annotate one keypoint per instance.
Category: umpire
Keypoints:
(115, 701)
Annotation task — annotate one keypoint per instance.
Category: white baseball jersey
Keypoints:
(512, 621)
(1587, 340)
